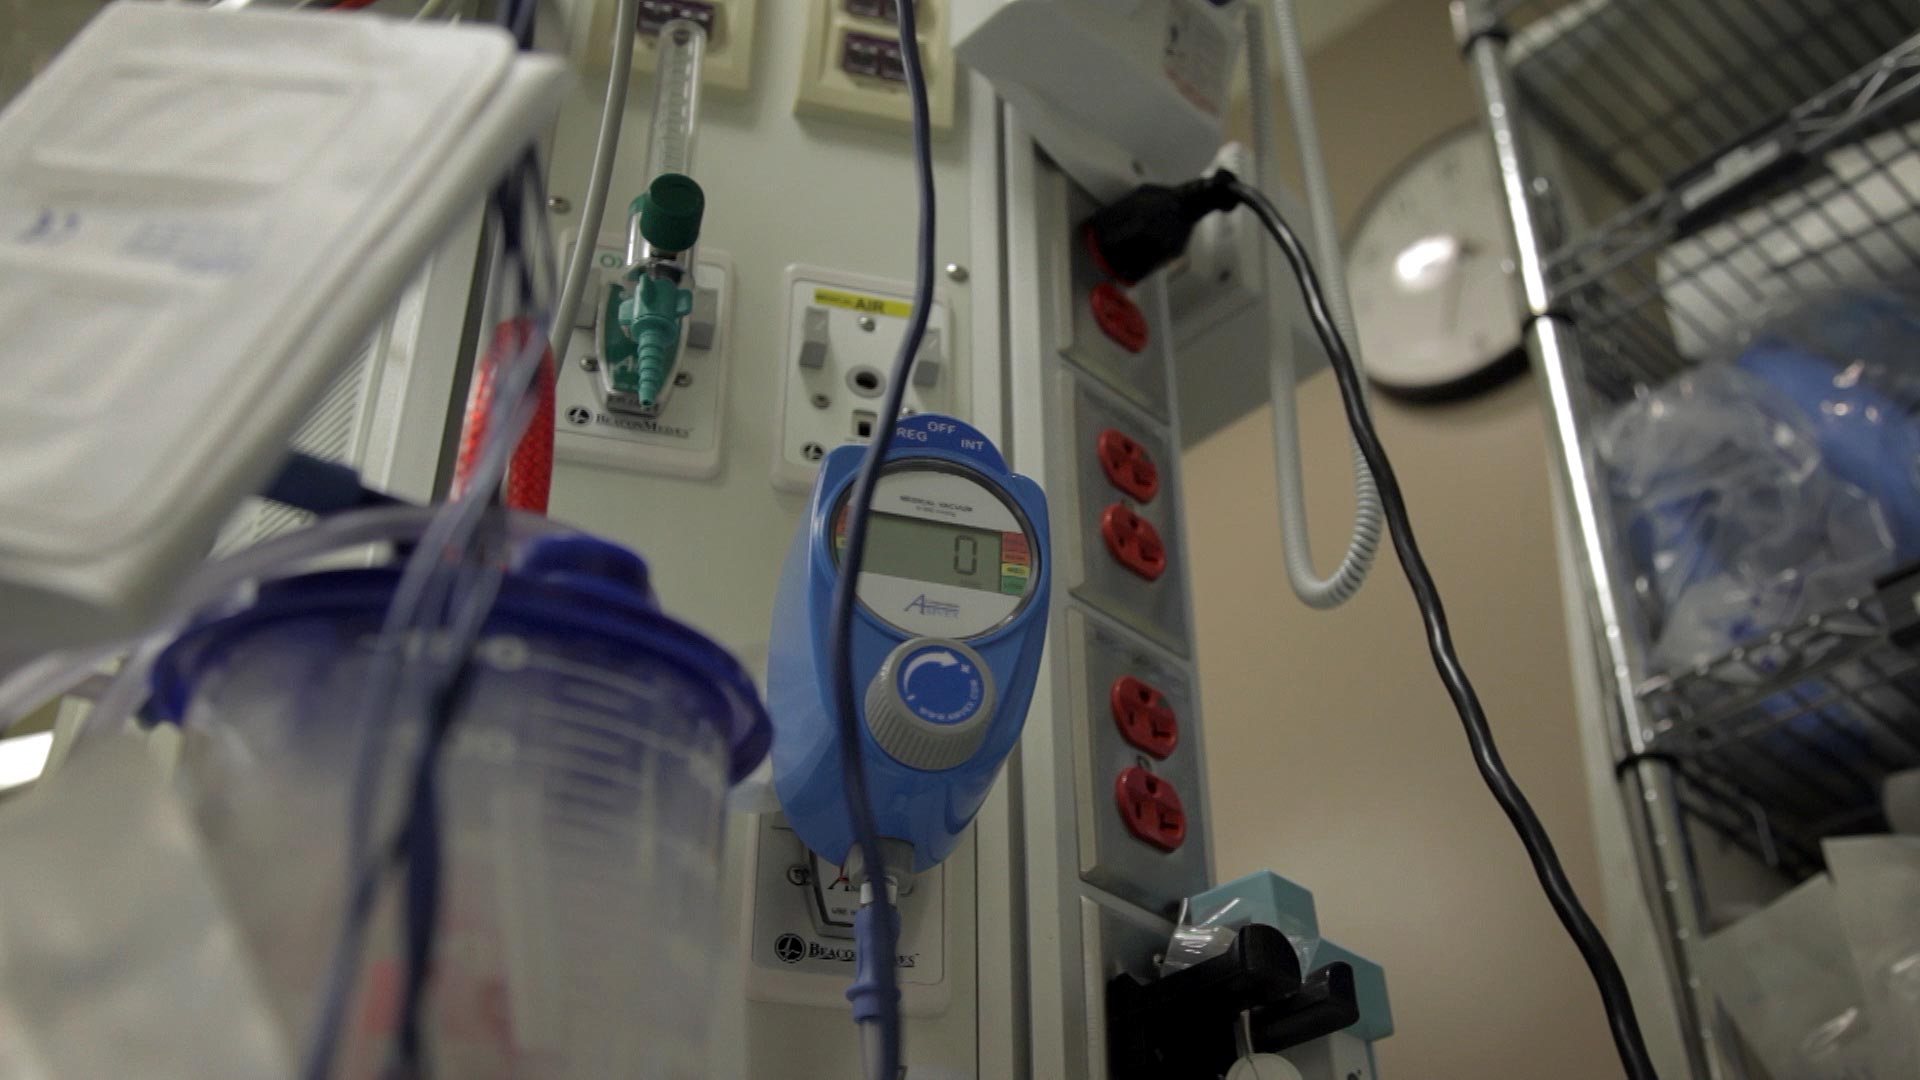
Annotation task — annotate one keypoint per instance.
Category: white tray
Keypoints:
(201, 213)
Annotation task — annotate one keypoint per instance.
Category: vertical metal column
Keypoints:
(1646, 787)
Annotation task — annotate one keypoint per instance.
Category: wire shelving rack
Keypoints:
(1676, 170)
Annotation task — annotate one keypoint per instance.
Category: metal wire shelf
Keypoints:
(1784, 740)
(1644, 90)
(1825, 195)
(1679, 174)
(1829, 195)
(1754, 201)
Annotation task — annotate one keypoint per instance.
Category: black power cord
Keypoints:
(1579, 925)
(884, 999)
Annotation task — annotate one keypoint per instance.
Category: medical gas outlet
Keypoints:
(642, 333)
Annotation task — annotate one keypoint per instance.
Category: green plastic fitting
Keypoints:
(670, 212)
(652, 318)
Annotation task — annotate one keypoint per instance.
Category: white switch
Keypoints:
(813, 341)
(704, 319)
(926, 366)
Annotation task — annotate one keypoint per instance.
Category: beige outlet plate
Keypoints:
(790, 959)
(728, 64)
(828, 89)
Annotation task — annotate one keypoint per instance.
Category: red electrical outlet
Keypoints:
(1151, 808)
(1119, 317)
(1134, 542)
(1128, 465)
(1146, 721)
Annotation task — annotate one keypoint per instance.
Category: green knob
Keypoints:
(670, 212)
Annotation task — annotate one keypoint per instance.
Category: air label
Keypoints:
(869, 305)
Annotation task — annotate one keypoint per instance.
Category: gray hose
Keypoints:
(872, 1052)
(593, 206)
(1282, 372)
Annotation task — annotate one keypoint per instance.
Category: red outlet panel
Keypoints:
(1133, 542)
(1146, 721)
(1128, 465)
(1119, 317)
(1151, 808)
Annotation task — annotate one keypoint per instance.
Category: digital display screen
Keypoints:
(909, 548)
(933, 551)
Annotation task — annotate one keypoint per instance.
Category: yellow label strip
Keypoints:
(871, 305)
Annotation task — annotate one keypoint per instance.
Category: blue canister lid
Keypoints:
(588, 562)
(563, 584)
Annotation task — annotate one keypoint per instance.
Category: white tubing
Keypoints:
(212, 583)
(1282, 373)
(41, 681)
(600, 177)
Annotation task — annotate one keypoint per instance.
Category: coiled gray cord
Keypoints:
(1282, 372)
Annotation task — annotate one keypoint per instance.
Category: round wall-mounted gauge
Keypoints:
(1431, 272)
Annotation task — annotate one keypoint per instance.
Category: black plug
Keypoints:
(1149, 227)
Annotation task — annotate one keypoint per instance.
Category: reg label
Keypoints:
(942, 433)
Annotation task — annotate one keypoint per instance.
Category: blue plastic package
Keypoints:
(1853, 368)
(1755, 493)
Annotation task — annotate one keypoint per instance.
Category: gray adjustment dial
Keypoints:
(930, 704)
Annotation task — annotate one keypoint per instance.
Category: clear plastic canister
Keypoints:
(582, 805)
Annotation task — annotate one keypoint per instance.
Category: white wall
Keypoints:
(1335, 757)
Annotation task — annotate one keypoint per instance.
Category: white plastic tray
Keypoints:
(200, 214)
